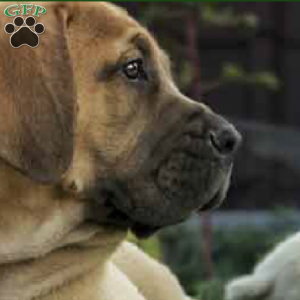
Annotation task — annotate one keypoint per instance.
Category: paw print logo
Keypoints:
(24, 34)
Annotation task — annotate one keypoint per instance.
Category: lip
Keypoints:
(124, 217)
(119, 219)
(143, 231)
(219, 197)
(116, 218)
(213, 204)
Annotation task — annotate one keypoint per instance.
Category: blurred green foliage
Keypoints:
(213, 15)
(169, 22)
(151, 246)
(235, 252)
(234, 73)
(210, 290)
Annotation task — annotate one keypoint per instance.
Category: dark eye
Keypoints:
(135, 70)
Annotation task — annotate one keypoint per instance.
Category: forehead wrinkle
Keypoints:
(141, 42)
(102, 20)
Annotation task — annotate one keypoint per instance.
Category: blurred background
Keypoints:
(242, 59)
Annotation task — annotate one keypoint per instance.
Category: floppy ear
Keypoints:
(37, 100)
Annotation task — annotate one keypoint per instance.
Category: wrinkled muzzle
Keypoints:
(190, 171)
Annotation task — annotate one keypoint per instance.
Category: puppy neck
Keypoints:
(36, 278)
(46, 242)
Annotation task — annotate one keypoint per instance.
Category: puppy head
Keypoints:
(103, 118)
(142, 149)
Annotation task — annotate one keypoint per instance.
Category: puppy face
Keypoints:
(142, 150)
(93, 112)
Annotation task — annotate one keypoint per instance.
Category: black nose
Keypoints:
(225, 140)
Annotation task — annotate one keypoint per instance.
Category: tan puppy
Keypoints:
(153, 280)
(95, 140)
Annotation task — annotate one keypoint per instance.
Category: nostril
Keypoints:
(226, 140)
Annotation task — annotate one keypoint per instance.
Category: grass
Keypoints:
(210, 290)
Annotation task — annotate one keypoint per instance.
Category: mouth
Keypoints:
(116, 217)
(119, 219)
(182, 184)
(214, 203)
(218, 198)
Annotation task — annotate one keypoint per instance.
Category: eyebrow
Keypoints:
(143, 44)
